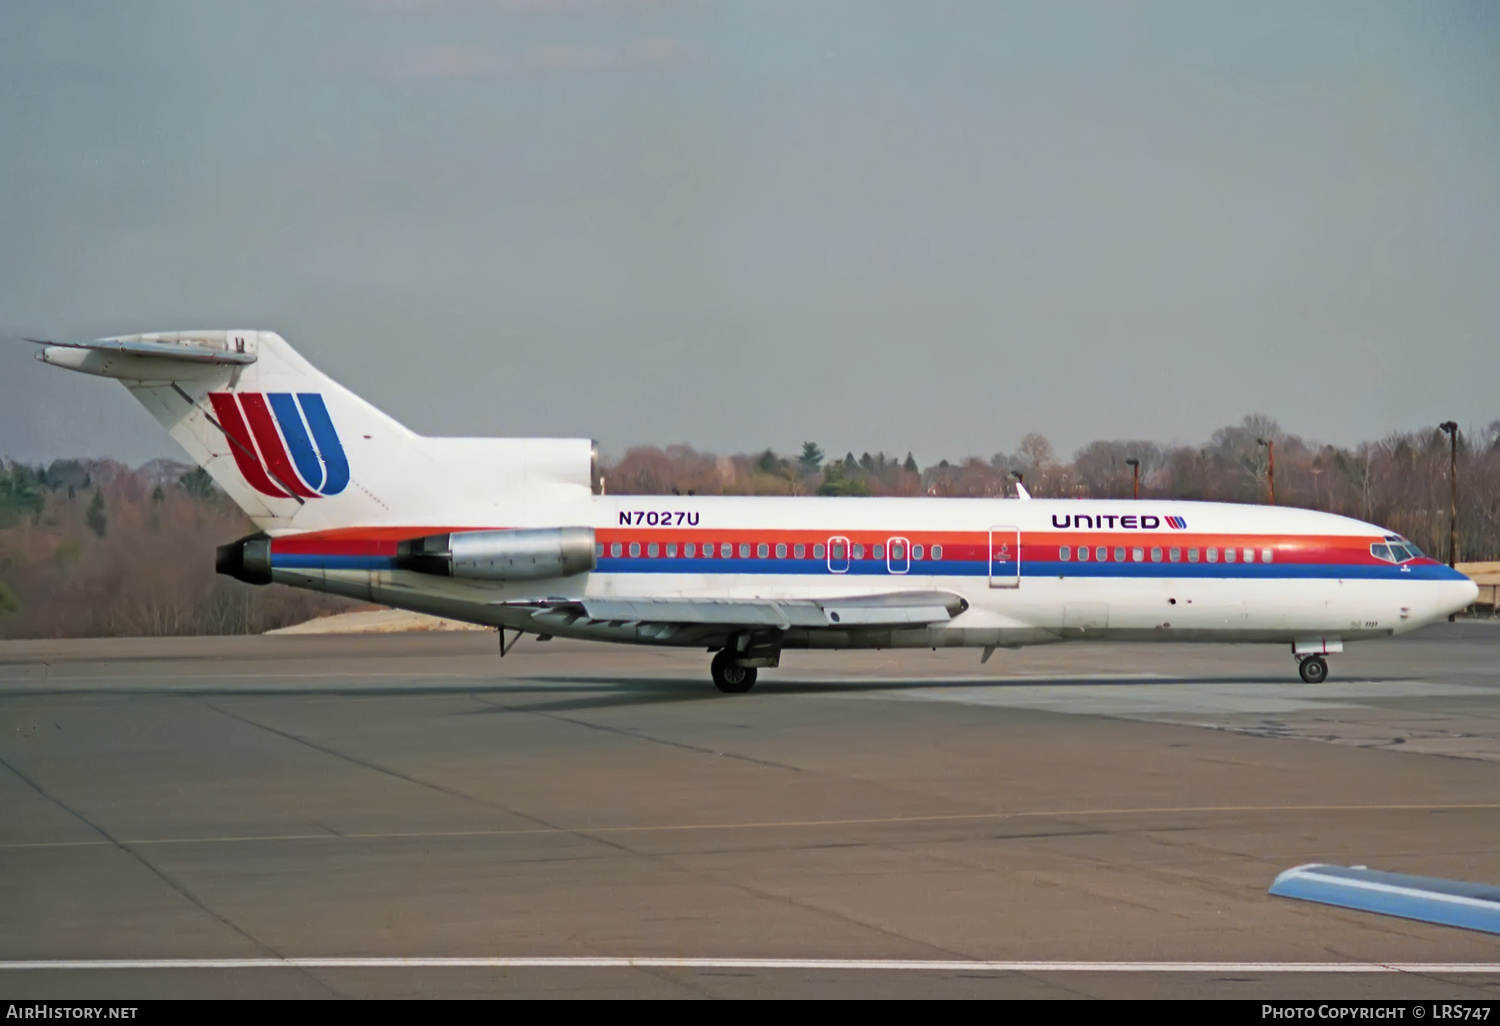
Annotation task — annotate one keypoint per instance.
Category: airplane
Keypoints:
(515, 533)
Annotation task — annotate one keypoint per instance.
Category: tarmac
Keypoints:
(412, 816)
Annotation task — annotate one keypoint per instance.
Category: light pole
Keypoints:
(1452, 429)
(1270, 467)
(1135, 485)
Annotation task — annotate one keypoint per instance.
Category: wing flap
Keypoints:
(705, 611)
(876, 616)
(890, 609)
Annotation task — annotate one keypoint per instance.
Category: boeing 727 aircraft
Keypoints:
(509, 533)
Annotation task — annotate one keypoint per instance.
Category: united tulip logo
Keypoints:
(284, 443)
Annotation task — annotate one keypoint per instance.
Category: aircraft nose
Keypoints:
(1459, 594)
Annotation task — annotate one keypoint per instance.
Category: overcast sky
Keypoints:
(927, 226)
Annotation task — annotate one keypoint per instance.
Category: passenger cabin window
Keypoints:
(879, 552)
(859, 551)
(1156, 555)
(937, 552)
(780, 550)
(614, 550)
(652, 550)
(744, 550)
(1175, 555)
(818, 552)
(1192, 555)
(1065, 554)
(1119, 555)
(762, 550)
(635, 549)
(799, 550)
(1083, 553)
(1265, 555)
(598, 549)
(690, 550)
(1101, 554)
(838, 550)
(1138, 555)
(726, 550)
(671, 551)
(1213, 555)
(1229, 555)
(916, 552)
(1249, 555)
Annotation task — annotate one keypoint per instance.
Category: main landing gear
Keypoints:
(729, 677)
(1313, 668)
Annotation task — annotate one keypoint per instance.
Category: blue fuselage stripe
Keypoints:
(313, 561)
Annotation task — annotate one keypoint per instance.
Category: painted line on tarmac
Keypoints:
(186, 682)
(791, 824)
(816, 964)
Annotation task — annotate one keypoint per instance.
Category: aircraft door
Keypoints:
(838, 555)
(897, 555)
(1005, 557)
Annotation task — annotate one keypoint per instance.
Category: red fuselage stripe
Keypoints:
(957, 545)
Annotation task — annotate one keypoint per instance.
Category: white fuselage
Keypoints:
(1296, 575)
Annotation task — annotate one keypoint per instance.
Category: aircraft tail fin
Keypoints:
(297, 451)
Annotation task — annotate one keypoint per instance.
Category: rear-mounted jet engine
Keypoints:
(520, 555)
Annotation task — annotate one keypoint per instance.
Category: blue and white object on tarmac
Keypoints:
(1470, 906)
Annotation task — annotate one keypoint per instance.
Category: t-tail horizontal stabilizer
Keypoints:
(1471, 906)
(145, 357)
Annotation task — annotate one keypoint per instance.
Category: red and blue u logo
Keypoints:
(283, 443)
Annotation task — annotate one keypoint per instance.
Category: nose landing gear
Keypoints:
(1313, 668)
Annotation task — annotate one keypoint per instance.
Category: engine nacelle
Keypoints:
(529, 554)
(248, 559)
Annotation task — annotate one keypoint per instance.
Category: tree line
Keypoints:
(94, 548)
(91, 548)
(1401, 482)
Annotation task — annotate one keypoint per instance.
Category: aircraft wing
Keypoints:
(164, 350)
(888, 609)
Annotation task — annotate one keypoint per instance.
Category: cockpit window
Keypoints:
(1395, 551)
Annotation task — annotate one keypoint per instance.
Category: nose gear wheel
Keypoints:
(1314, 669)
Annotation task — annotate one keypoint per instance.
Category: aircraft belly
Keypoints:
(1202, 609)
(1041, 610)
